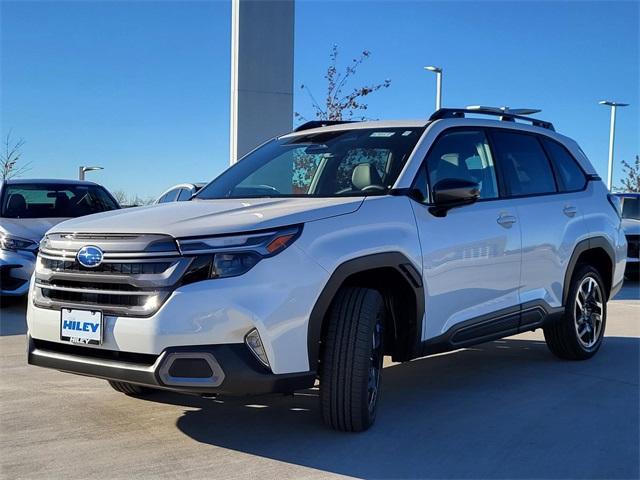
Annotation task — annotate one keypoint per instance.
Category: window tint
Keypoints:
(569, 172)
(49, 200)
(185, 194)
(465, 155)
(523, 163)
(631, 207)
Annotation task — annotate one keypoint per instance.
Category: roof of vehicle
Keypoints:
(362, 125)
(506, 118)
(47, 181)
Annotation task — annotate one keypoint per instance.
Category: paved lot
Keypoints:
(506, 409)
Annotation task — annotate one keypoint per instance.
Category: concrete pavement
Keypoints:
(506, 409)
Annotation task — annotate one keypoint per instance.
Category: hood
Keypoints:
(29, 228)
(211, 217)
(631, 226)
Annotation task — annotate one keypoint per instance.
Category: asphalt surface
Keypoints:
(505, 409)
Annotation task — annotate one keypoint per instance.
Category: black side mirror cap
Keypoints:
(453, 192)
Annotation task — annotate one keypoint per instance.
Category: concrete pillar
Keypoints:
(261, 72)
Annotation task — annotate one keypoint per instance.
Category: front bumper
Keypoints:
(15, 271)
(232, 370)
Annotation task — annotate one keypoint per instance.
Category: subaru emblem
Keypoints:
(89, 256)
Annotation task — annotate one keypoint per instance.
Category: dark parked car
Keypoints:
(631, 225)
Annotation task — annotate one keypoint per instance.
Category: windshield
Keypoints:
(327, 164)
(631, 207)
(54, 200)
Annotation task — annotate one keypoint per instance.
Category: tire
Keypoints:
(352, 360)
(563, 337)
(129, 388)
(633, 274)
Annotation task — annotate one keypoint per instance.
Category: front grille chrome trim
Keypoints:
(112, 257)
(94, 290)
(123, 287)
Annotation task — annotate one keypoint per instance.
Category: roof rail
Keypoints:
(506, 114)
(321, 123)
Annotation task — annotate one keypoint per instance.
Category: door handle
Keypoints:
(570, 211)
(506, 220)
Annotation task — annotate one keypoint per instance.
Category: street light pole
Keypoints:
(612, 136)
(82, 170)
(438, 72)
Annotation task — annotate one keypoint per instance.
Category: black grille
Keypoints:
(106, 299)
(190, 368)
(633, 246)
(127, 268)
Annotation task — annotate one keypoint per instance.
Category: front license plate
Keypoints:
(81, 326)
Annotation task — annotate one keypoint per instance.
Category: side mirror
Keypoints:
(453, 192)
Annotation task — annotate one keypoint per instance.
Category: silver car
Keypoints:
(180, 192)
(28, 208)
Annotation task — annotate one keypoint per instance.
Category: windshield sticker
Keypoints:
(382, 134)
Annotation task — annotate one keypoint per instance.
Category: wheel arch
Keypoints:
(595, 251)
(368, 270)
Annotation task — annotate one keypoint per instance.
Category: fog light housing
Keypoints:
(254, 342)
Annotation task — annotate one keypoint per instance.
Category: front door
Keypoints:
(471, 257)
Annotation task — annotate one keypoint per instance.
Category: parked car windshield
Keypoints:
(631, 207)
(48, 200)
(327, 164)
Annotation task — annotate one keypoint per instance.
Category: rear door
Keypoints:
(471, 256)
(547, 201)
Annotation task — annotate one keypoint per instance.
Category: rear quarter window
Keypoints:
(570, 175)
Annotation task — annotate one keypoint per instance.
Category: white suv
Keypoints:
(324, 250)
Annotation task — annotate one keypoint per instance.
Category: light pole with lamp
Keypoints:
(82, 170)
(438, 72)
(612, 135)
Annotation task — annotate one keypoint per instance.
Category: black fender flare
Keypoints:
(583, 246)
(395, 260)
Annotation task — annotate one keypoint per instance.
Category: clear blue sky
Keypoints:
(142, 87)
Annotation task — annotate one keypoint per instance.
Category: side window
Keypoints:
(465, 155)
(569, 172)
(524, 164)
(185, 194)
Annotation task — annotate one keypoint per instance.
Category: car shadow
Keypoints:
(630, 291)
(506, 409)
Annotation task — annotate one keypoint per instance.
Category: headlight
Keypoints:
(233, 255)
(9, 242)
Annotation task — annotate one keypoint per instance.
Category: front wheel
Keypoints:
(352, 360)
(129, 388)
(578, 335)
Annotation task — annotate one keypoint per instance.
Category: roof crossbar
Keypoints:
(505, 114)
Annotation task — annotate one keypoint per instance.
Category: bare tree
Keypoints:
(10, 158)
(339, 105)
(631, 181)
(133, 200)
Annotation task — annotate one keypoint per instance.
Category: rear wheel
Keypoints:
(129, 388)
(352, 360)
(578, 335)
